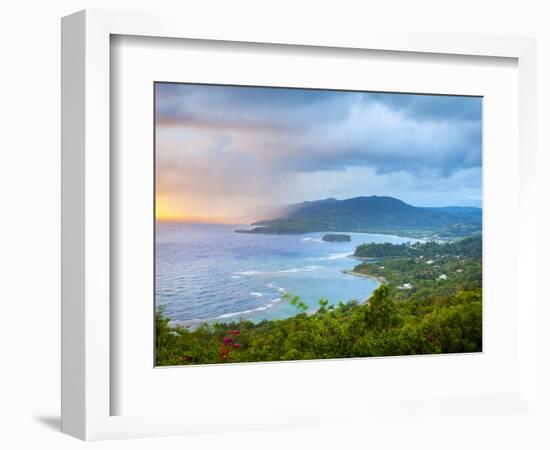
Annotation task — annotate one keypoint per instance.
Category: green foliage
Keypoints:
(433, 315)
(380, 327)
(434, 270)
(470, 247)
(296, 301)
(381, 313)
(373, 214)
(323, 303)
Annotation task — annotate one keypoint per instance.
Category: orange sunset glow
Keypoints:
(233, 155)
(166, 212)
(169, 209)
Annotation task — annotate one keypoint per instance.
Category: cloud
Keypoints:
(461, 188)
(387, 140)
(433, 107)
(257, 143)
(233, 107)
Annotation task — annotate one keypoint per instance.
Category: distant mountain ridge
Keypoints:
(372, 214)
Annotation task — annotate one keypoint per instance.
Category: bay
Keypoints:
(209, 273)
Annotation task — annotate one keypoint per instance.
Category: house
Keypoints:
(442, 277)
(430, 261)
(459, 270)
(405, 286)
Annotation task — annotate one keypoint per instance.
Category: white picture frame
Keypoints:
(87, 386)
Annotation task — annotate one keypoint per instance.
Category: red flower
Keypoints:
(236, 345)
(430, 338)
(235, 332)
(227, 340)
(224, 352)
(187, 358)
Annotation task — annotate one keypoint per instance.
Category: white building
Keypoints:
(442, 277)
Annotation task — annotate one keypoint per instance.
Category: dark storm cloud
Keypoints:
(241, 107)
(327, 130)
(264, 139)
(433, 107)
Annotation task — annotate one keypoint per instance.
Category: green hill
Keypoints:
(372, 214)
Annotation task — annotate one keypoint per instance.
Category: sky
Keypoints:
(231, 154)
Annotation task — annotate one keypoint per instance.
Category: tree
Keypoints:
(381, 312)
(296, 301)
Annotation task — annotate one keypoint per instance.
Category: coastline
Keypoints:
(298, 233)
(380, 280)
(267, 309)
(193, 324)
(359, 258)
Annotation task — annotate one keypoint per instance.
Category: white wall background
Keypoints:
(29, 223)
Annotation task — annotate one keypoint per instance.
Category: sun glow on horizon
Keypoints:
(167, 211)
(230, 153)
(197, 219)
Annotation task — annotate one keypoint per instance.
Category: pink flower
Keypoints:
(227, 340)
(236, 345)
(235, 332)
(430, 338)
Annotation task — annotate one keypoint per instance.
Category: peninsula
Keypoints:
(373, 214)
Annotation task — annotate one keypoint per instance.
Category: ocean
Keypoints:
(209, 273)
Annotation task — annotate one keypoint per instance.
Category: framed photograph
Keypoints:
(271, 243)
(263, 221)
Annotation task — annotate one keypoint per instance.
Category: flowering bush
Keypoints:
(380, 327)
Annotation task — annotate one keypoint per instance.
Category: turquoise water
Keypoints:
(210, 273)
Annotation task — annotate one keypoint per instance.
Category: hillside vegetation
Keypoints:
(433, 314)
(468, 248)
(425, 271)
(374, 215)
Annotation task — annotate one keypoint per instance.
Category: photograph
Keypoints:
(310, 224)
(286, 225)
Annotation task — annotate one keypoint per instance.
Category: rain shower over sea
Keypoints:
(209, 273)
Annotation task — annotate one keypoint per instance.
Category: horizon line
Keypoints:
(223, 221)
(198, 221)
